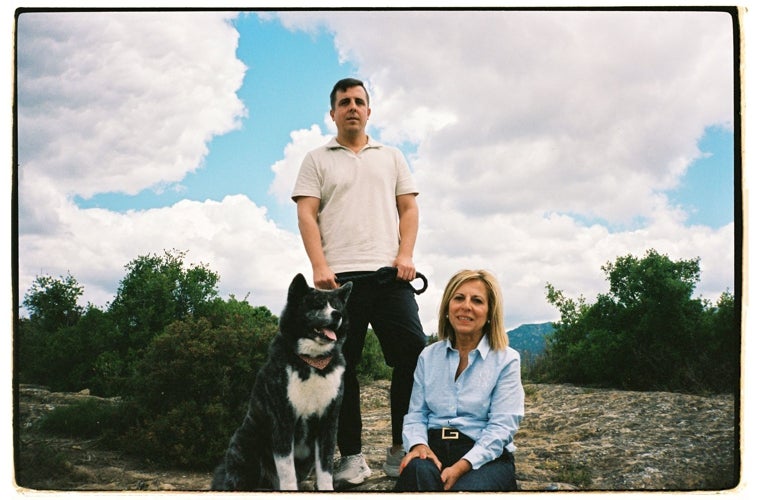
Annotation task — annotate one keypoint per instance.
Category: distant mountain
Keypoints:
(530, 339)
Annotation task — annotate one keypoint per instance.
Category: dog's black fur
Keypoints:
(291, 426)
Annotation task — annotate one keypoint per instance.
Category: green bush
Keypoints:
(372, 365)
(65, 359)
(68, 348)
(190, 435)
(647, 333)
(39, 463)
(191, 389)
(88, 419)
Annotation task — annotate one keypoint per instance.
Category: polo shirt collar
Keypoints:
(334, 144)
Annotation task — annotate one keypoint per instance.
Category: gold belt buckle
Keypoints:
(449, 433)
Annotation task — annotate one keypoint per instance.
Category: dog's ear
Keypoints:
(344, 291)
(298, 287)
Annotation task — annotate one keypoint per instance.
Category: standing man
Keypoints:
(357, 212)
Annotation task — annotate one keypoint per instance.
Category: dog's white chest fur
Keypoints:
(313, 395)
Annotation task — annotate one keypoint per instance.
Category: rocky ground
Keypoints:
(572, 438)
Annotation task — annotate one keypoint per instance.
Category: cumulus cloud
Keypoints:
(123, 101)
(286, 170)
(572, 105)
(127, 101)
(233, 236)
(545, 141)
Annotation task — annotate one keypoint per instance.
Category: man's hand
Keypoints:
(406, 269)
(324, 278)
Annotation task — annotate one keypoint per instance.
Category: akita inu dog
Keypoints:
(292, 421)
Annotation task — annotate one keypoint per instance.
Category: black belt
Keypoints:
(382, 276)
(453, 435)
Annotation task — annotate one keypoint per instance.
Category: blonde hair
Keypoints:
(494, 327)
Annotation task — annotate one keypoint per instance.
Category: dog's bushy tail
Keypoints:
(241, 468)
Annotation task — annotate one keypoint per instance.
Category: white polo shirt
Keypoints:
(358, 218)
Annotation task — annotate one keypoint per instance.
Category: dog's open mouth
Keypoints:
(327, 333)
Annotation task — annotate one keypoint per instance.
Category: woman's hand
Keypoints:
(419, 451)
(450, 475)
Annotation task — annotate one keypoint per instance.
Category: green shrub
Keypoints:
(191, 389)
(372, 365)
(88, 419)
(38, 463)
(647, 333)
(189, 435)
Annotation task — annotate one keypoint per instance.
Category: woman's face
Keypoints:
(468, 308)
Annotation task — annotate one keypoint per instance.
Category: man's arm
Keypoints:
(308, 208)
(408, 214)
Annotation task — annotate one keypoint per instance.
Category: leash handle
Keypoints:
(386, 275)
(421, 276)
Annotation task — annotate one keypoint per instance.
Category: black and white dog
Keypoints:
(291, 426)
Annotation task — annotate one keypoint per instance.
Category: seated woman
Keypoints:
(468, 400)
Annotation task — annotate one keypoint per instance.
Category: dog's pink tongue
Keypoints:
(329, 334)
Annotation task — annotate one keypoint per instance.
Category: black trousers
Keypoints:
(391, 309)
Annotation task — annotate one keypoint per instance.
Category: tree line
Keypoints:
(181, 359)
(647, 333)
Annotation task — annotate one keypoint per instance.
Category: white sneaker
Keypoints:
(352, 469)
(393, 462)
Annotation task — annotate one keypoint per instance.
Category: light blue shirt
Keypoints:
(486, 402)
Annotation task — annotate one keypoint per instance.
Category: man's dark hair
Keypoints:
(344, 85)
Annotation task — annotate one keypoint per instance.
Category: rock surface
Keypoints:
(572, 438)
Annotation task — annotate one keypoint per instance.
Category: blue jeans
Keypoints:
(423, 475)
(392, 311)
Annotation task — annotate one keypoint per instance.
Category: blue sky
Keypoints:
(707, 190)
(277, 102)
(544, 144)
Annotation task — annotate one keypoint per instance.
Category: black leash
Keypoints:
(383, 276)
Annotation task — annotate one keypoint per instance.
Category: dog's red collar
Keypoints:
(318, 363)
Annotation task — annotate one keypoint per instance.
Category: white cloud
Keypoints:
(286, 170)
(234, 237)
(526, 125)
(529, 123)
(123, 101)
(542, 96)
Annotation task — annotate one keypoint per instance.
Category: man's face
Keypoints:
(351, 110)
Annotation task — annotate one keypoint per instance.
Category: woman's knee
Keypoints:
(423, 466)
(419, 475)
(498, 475)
